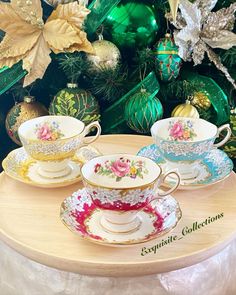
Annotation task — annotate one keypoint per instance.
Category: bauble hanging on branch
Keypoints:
(21, 112)
(168, 62)
(201, 100)
(132, 25)
(75, 102)
(105, 55)
(142, 110)
(185, 110)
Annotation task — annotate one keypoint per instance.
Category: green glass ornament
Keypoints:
(132, 25)
(142, 110)
(75, 102)
(113, 119)
(168, 62)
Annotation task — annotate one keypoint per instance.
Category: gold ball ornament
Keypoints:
(21, 112)
(201, 100)
(185, 110)
(106, 55)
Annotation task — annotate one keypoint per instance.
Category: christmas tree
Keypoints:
(127, 63)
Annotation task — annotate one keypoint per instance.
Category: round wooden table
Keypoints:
(30, 224)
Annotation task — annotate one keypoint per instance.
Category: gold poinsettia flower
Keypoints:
(56, 2)
(31, 40)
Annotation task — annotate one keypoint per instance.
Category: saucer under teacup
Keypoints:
(20, 166)
(183, 142)
(81, 216)
(213, 168)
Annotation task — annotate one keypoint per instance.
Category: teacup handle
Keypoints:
(223, 141)
(88, 128)
(162, 179)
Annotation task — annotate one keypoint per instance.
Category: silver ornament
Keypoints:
(106, 55)
(199, 31)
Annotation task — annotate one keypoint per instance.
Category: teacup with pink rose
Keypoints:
(122, 185)
(184, 142)
(53, 140)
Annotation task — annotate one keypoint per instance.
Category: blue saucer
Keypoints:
(215, 167)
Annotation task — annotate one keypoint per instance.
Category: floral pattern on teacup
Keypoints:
(48, 131)
(182, 150)
(121, 168)
(133, 199)
(181, 130)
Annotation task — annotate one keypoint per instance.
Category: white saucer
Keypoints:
(82, 217)
(20, 166)
(215, 167)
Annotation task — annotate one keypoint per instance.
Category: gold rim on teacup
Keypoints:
(53, 140)
(134, 182)
(182, 141)
(125, 188)
(215, 135)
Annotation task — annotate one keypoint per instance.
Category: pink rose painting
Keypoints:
(177, 130)
(181, 131)
(121, 168)
(48, 131)
(44, 133)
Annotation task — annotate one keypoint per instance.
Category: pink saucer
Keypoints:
(81, 216)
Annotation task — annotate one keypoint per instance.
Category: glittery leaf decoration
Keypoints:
(36, 61)
(57, 2)
(174, 7)
(31, 40)
(28, 9)
(74, 14)
(199, 30)
(206, 6)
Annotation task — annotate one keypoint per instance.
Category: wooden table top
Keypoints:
(30, 223)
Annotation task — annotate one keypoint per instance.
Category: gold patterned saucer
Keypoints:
(20, 166)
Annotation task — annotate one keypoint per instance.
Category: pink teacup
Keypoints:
(121, 185)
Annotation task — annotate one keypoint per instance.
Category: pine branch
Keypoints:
(18, 92)
(206, 115)
(229, 57)
(162, 5)
(143, 63)
(180, 89)
(109, 84)
(73, 64)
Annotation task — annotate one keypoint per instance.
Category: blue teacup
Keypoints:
(184, 142)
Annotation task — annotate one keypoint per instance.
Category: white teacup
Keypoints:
(184, 142)
(122, 185)
(53, 140)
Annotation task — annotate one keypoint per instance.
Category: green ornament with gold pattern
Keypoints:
(75, 102)
(142, 110)
(168, 62)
